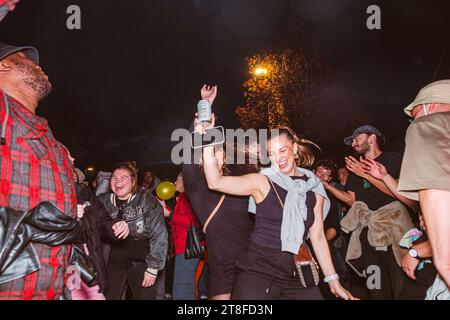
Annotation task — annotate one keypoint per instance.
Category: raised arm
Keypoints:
(246, 185)
(378, 171)
(191, 170)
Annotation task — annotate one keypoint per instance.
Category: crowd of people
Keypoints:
(375, 227)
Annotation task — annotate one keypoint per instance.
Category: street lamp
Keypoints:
(90, 169)
(261, 71)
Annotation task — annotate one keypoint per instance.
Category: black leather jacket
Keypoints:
(46, 224)
(18, 230)
(145, 218)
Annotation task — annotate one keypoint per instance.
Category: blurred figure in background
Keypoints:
(150, 181)
(103, 183)
(84, 194)
(181, 218)
(343, 175)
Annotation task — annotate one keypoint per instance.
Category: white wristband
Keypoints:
(152, 272)
(331, 277)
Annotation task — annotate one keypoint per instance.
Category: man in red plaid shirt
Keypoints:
(34, 166)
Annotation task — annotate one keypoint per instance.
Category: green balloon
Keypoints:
(165, 190)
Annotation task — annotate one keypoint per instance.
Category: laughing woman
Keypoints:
(289, 203)
(137, 261)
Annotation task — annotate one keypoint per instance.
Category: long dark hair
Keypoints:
(232, 168)
(235, 169)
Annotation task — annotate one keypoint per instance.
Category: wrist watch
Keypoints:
(413, 253)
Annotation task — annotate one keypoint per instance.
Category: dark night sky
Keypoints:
(132, 74)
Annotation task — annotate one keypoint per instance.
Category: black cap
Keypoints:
(30, 52)
(364, 129)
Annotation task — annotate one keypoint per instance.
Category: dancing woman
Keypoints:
(289, 203)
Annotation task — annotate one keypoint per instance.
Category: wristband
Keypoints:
(152, 272)
(331, 278)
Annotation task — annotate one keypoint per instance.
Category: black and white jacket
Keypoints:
(145, 218)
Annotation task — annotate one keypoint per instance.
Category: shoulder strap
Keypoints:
(212, 214)
(276, 192)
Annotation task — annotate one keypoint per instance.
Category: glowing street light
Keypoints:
(90, 169)
(261, 71)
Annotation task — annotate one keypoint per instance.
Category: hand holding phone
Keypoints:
(207, 137)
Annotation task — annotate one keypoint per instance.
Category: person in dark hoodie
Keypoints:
(137, 261)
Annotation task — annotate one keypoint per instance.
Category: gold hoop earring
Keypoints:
(296, 156)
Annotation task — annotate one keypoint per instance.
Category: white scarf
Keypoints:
(295, 211)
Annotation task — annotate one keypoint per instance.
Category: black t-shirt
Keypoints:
(369, 194)
(332, 220)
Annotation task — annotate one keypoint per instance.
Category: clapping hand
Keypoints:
(355, 166)
(374, 168)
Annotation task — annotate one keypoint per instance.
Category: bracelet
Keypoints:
(152, 272)
(331, 277)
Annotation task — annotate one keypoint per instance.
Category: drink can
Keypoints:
(204, 111)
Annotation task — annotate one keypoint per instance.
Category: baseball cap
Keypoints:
(368, 129)
(435, 92)
(30, 52)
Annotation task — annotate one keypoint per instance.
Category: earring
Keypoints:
(296, 156)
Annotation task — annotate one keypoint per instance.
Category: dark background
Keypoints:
(132, 74)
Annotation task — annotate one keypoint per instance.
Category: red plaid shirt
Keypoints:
(35, 168)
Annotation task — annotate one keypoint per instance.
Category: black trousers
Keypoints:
(169, 271)
(268, 274)
(392, 277)
(417, 289)
(119, 277)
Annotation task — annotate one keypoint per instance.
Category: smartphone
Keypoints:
(213, 136)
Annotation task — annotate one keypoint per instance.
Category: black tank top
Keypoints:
(269, 215)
